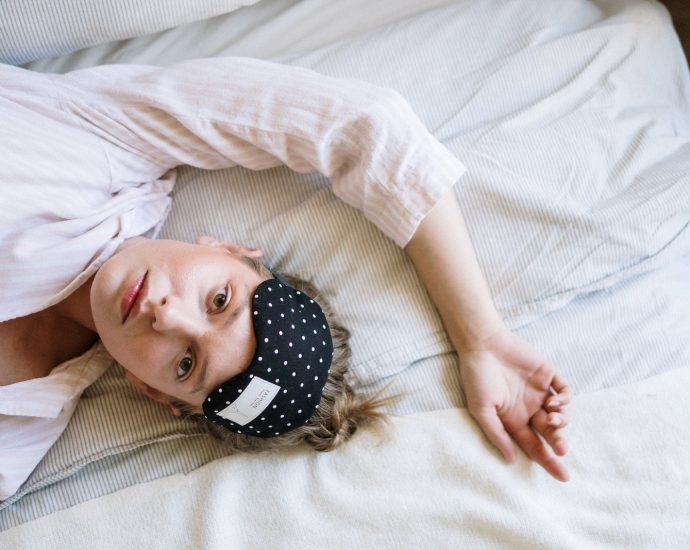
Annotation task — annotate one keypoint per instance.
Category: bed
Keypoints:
(573, 119)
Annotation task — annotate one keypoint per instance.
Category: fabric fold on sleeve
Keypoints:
(223, 112)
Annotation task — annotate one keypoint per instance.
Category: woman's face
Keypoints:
(177, 315)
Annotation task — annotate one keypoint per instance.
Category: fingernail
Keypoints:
(555, 404)
(555, 421)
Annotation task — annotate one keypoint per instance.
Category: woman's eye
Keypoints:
(185, 365)
(220, 299)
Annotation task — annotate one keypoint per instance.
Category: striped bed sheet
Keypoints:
(43, 29)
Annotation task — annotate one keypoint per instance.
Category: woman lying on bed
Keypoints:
(89, 160)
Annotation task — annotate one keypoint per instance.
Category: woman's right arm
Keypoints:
(507, 382)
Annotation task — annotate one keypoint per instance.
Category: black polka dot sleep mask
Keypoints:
(282, 386)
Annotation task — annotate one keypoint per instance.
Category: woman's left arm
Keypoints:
(506, 381)
(227, 111)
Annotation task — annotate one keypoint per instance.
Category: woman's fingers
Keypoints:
(563, 395)
(529, 442)
(527, 439)
(492, 426)
(558, 419)
(553, 433)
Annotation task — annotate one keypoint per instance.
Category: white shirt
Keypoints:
(88, 159)
(34, 413)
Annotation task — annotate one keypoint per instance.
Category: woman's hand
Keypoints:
(508, 388)
(507, 382)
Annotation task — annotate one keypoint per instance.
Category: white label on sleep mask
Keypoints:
(258, 395)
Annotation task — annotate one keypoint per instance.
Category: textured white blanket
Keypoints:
(435, 483)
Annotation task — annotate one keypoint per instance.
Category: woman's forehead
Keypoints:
(198, 255)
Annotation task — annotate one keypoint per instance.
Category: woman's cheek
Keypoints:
(145, 359)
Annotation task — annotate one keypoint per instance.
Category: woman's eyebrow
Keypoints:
(201, 378)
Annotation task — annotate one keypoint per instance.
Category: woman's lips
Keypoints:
(132, 298)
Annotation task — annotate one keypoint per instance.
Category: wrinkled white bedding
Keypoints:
(435, 483)
(573, 119)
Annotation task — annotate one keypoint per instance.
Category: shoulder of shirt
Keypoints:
(45, 397)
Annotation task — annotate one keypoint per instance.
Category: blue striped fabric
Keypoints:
(38, 29)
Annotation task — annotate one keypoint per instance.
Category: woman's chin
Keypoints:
(103, 307)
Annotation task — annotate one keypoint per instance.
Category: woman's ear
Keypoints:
(152, 393)
(205, 240)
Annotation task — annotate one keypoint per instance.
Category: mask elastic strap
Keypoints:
(280, 277)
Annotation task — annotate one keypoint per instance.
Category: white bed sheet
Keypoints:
(435, 484)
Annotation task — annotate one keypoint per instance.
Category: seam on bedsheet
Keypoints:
(609, 279)
(393, 361)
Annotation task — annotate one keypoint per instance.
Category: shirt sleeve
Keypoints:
(222, 112)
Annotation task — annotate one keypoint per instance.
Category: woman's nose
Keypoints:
(172, 315)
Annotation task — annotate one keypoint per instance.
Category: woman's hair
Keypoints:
(340, 410)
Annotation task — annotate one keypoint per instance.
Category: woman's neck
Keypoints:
(77, 307)
(32, 346)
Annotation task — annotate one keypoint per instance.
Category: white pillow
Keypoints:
(43, 28)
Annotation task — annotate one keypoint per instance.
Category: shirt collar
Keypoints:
(45, 397)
